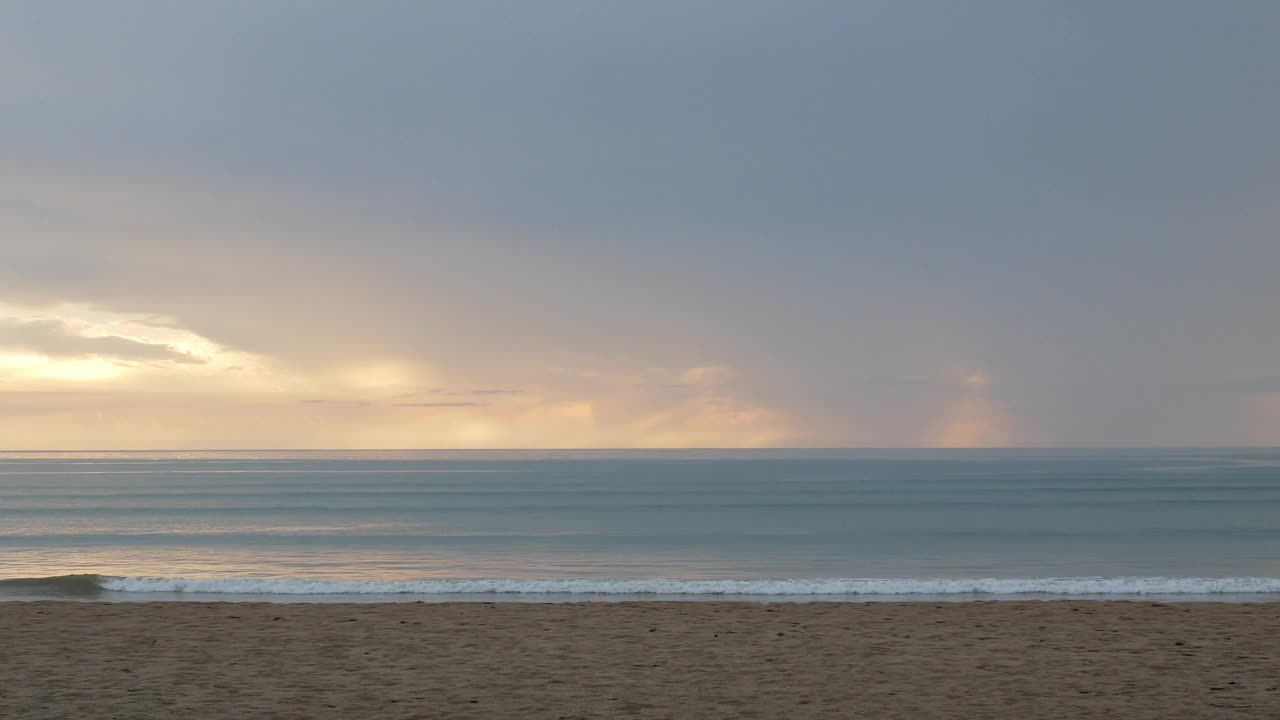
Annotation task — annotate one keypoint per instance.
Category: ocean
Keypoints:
(855, 525)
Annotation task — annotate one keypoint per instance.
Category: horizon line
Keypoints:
(660, 449)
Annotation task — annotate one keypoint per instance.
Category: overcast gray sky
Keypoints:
(338, 224)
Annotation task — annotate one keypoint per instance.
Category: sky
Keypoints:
(673, 223)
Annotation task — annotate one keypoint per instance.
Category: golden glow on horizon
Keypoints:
(89, 344)
(975, 419)
(170, 387)
(40, 367)
(113, 380)
(262, 402)
(382, 376)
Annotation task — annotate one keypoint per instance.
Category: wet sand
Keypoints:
(1030, 660)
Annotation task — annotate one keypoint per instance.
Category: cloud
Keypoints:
(706, 376)
(56, 338)
(482, 391)
(47, 347)
(611, 205)
(353, 403)
(899, 383)
(440, 404)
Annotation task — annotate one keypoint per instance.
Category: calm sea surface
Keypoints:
(554, 525)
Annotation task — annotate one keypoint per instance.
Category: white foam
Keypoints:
(819, 586)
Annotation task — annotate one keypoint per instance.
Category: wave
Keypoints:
(95, 585)
(58, 586)
(1069, 586)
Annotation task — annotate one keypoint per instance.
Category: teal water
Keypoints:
(655, 523)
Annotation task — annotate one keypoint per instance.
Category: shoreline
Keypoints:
(651, 659)
(137, 588)
(126, 598)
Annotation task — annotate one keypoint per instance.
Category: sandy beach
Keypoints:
(644, 660)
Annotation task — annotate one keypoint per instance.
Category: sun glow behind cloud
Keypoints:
(43, 367)
(974, 417)
(90, 377)
(80, 344)
(151, 382)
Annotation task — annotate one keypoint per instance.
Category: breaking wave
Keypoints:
(796, 587)
(58, 586)
(89, 586)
